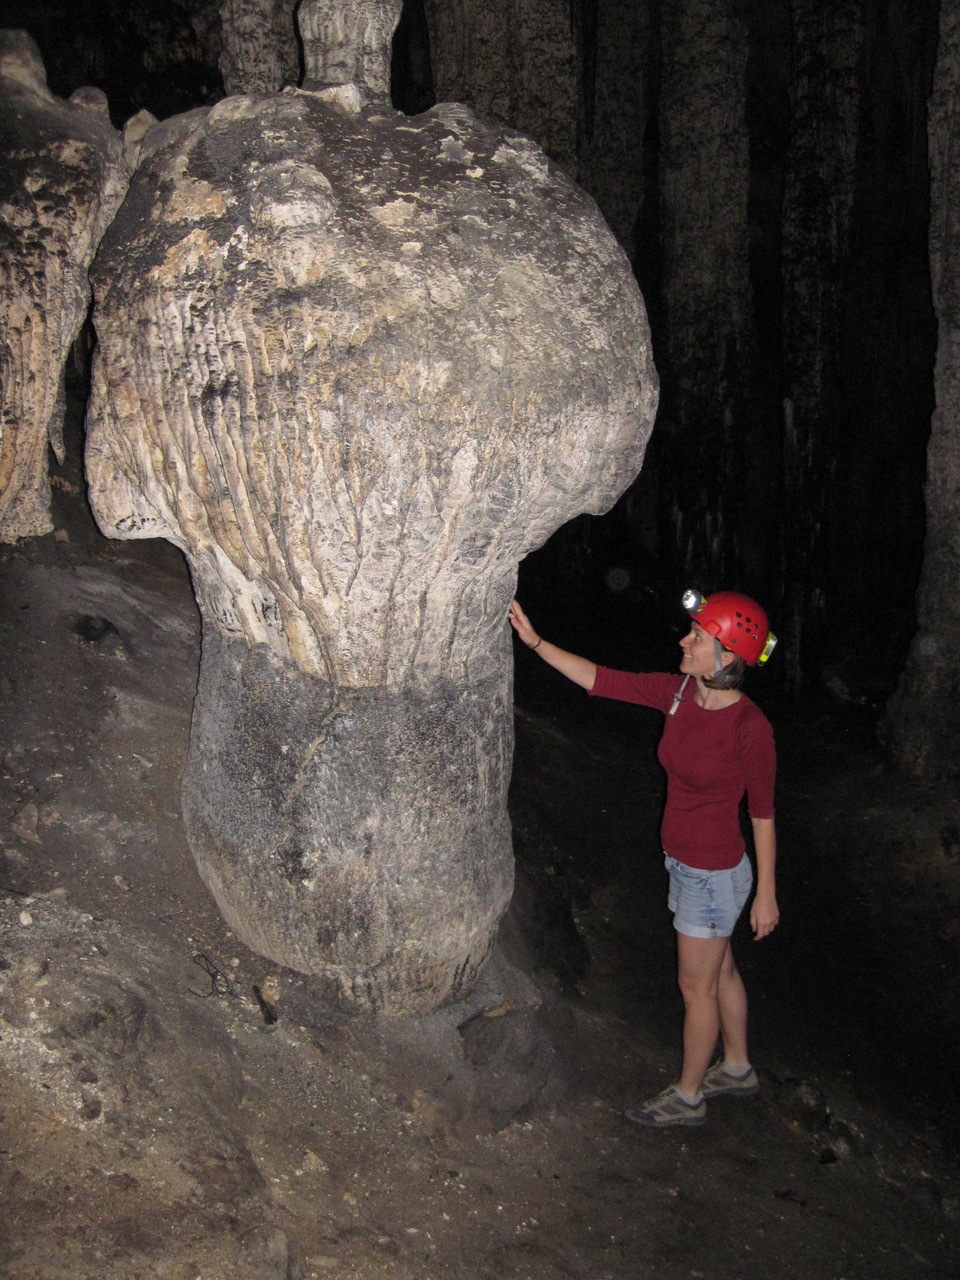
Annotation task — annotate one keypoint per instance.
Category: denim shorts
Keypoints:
(707, 904)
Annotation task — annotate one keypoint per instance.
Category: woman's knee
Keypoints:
(728, 969)
(700, 964)
(698, 986)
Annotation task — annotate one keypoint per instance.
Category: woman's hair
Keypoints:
(732, 677)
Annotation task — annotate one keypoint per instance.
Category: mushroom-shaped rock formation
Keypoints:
(356, 366)
(62, 178)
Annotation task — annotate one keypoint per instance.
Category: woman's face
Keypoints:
(698, 658)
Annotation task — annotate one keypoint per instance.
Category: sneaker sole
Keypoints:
(750, 1091)
(646, 1122)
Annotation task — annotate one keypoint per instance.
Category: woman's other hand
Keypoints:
(764, 915)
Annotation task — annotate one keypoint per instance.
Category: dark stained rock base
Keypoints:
(355, 834)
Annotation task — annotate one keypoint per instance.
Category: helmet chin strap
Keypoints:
(718, 658)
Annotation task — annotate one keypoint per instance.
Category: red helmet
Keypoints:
(736, 621)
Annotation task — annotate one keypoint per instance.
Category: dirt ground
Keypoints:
(156, 1122)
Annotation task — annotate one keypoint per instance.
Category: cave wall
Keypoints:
(819, 170)
(858, 340)
(887, 349)
(705, 287)
(921, 721)
(513, 61)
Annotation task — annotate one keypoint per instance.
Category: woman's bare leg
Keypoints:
(733, 1013)
(699, 965)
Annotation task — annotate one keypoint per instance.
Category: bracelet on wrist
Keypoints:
(537, 645)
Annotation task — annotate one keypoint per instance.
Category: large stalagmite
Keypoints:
(357, 365)
(62, 177)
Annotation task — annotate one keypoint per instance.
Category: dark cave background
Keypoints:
(789, 454)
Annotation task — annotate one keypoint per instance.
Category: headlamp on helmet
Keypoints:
(736, 621)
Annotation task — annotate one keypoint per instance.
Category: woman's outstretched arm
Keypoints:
(580, 670)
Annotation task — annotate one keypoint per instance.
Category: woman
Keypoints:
(716, 745)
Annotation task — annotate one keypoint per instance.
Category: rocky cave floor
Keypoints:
(154, 1123)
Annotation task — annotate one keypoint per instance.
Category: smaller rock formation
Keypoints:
(260, 52)
(349, 42)
(62, 178)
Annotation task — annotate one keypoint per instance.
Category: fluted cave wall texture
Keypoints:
(791, 454)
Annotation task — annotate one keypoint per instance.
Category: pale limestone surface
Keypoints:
(62, 177)
(349, 42)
